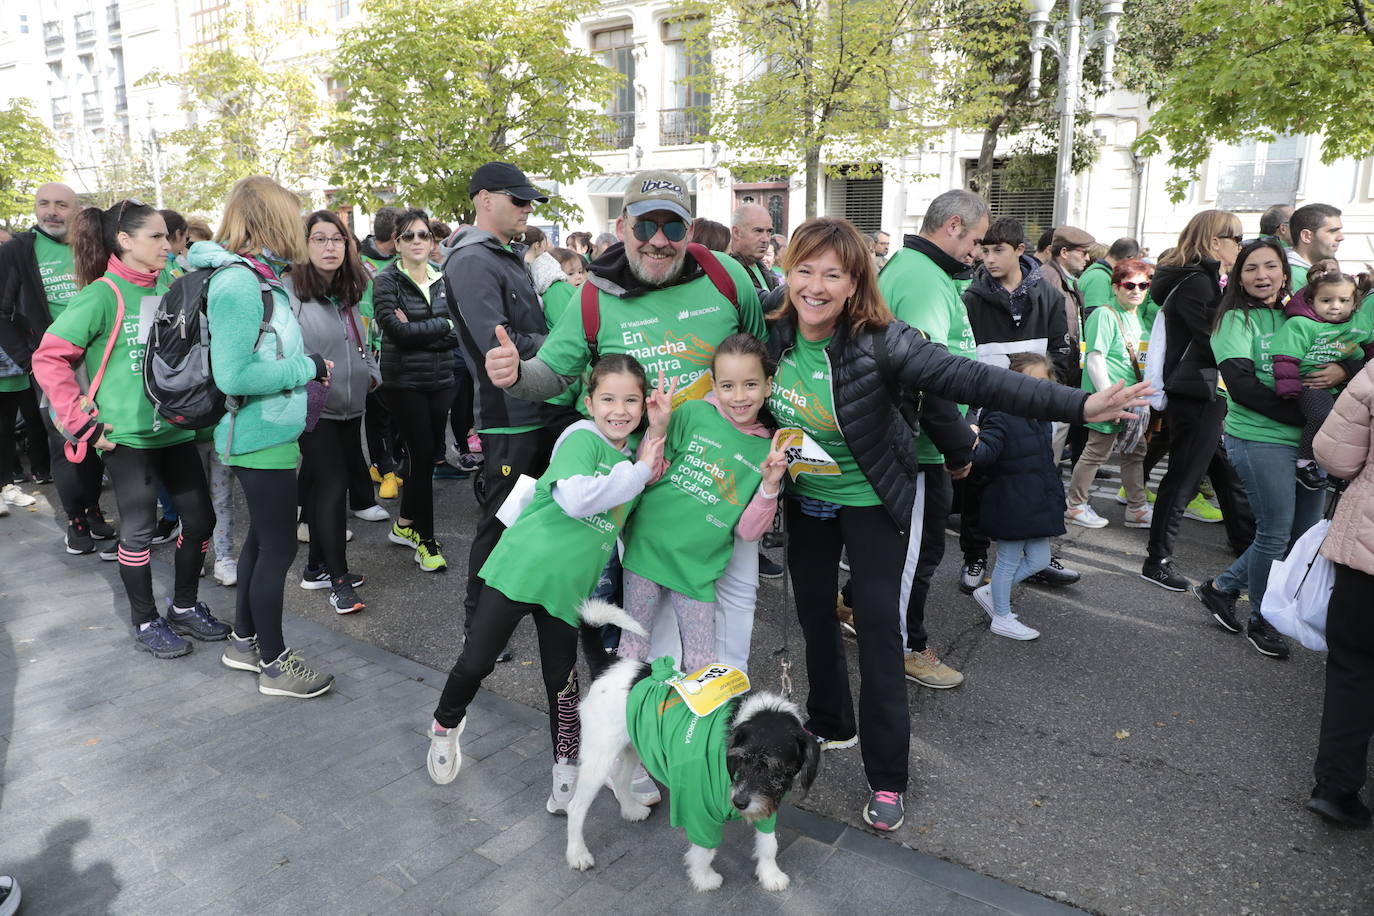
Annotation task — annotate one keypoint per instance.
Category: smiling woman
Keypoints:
(847, 373)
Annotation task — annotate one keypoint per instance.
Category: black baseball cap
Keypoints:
(502, 176)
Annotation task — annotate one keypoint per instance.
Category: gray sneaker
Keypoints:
(564, 784)
(242, 654)
(445, 757)
(290, 676)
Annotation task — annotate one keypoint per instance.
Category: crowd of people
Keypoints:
(644, 408)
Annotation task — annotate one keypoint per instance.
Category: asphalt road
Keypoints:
(1134, 759)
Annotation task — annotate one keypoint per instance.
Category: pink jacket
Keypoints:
(1345, 448)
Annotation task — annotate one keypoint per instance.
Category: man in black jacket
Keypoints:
(37, 279)
(751, 232)
(1011, 309)
(488, 282)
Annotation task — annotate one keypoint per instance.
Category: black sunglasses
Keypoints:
(1131, 287)
(423, 235)
(674, 230)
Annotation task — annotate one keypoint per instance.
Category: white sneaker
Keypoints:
(1140, 516)
(303, 532)
(445, 756)
(1084, 516)
(373, 513)
(12, 494)
(983, 595)
(564, 784)
(1012, 628)
(642, 786)
(226, 572)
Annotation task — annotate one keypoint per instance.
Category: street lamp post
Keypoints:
(1070, 47)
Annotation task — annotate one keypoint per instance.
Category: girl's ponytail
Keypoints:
(90, 255)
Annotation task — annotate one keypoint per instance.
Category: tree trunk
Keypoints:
(813, 179)
(983, 171)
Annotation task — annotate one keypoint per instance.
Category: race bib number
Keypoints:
(712, 687)
(804, 456)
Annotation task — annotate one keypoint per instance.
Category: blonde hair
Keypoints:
(1196, 238)
(262, 214)
(866, 307)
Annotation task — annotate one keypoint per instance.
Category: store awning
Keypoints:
(614, 185)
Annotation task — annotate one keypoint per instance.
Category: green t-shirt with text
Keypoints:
(1103, 333)
(802, 397)
(57, 270)
(547, 557)
(1315, 343)
(1251, 337)
(88, 322)
(674, 329)
(681, 534)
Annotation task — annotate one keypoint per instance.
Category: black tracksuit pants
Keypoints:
(1348, 707)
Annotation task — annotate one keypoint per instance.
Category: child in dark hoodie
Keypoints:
(1320, 329)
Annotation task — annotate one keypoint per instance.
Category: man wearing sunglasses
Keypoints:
(488, 280)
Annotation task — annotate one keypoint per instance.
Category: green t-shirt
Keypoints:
(687, 754)
(281, 457)
(802, 397)
(14, 382)
(713, 473)
(547, 557)
(556, 299)
(87, 322)
(57, 271)
(675, 329)
(1095, 285)
(1103, 333)
(1237, 337)
(1315, 343)
(920, 293)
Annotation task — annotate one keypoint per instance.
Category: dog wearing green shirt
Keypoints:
(735, 763)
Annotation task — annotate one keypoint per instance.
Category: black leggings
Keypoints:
(78, 485)
(1347, 715)
(381, 435)
(420, 417)
(267, 555)
(13, 403)
(136, 473)
(493, 622)
(460, 414)
(880, 560)
(1316, 404)
(324, 463)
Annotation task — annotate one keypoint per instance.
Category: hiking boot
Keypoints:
(290, 676)
(343, 599)
(1056, 574)
(165, 531)
(445, 757)
(926, 669)
(1200, 510)
(884, 811)
(390, 486)
(79, 538)
(1266, 640)
(564, 784)
(845, 613)
(1221, 605)
(242, 654)
(1139, 516)
(373, 513)
(1163, 574)
(159, 639)
(1084, 517)
(101, 530)
(972, 574)
(15, 496)
(768, 567)
(429, 558)
(403, 535)
(197, 622)
(1311, 477)
(1009, 626)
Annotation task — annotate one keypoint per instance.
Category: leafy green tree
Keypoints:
(251, 114)
(430, 100)
(27, 160)
(837, 84)
(1300, 67)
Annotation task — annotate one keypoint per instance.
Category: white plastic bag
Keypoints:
(521, 495)
(1300, 589)
(1154, 362)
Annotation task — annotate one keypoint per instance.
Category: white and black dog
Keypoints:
(766, 751)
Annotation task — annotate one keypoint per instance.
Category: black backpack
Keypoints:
(176, 370)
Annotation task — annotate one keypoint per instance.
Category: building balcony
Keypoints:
(121, 96)
(680, 126)
(112, 23)
(622, 133)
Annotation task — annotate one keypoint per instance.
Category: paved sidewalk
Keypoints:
(130, 785)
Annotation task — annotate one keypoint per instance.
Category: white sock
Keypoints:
(181, 610)
(144, 626)
(1305, 462)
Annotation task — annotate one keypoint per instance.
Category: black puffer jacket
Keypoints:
(868, 415)
(24, 314)
(1188, 296)
(416, 353)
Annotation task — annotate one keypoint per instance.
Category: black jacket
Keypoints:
(491, 286)
(1188, 297)
(1042, 327)
(416, 353)
(24, 315)
(867, 412)
(1023, 496)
